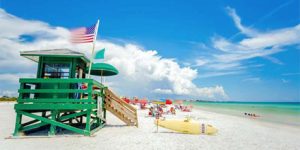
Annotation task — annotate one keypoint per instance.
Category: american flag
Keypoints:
(83, 34)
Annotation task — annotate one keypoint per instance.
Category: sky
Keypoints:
(210, 50)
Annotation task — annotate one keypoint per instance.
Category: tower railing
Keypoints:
(60, 103)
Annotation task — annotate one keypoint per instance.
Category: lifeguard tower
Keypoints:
(62, 98)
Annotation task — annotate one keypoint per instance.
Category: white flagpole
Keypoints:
(92, 59)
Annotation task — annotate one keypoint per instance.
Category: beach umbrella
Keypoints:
(168, 101)
(126, 100)
(103, 69)
(135, 100)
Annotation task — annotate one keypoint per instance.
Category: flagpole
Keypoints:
(92, 59)
(101, 76)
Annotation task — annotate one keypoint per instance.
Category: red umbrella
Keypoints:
(126, 100)
(168, 101)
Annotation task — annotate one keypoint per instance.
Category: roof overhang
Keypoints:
(35, 55)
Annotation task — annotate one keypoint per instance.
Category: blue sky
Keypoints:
(201, 35)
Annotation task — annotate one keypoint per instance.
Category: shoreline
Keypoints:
(274, 118)
(258, 121)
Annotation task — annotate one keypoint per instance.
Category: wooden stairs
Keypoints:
(124, 111)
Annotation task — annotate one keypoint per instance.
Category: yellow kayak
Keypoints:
(187, 126)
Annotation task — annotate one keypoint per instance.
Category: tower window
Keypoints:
(56, 71)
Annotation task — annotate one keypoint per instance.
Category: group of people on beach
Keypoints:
(184, 108)
(153, 111)
(168, 109)
(252, 115)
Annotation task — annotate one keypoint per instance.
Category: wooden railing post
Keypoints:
(53, 126)
(18, 124)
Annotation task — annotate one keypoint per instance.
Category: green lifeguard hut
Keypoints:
(62, 97)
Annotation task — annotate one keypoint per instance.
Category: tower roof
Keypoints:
(34, 55)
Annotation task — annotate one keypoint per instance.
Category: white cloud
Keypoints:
(225, 66)
(230, 56)
(213, 92)
(238, 24)
(274, 60)
(219, 73)
(291, 74)
(14, 78)
(8, 93)
(27, 27)
(275, 38)
(201, 62)
(141, 71)
(163, 91)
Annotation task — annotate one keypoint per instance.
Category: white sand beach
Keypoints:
(234, 133)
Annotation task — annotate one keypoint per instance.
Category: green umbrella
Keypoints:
(103, 69)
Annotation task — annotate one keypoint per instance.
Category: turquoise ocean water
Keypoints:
(276, 112)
